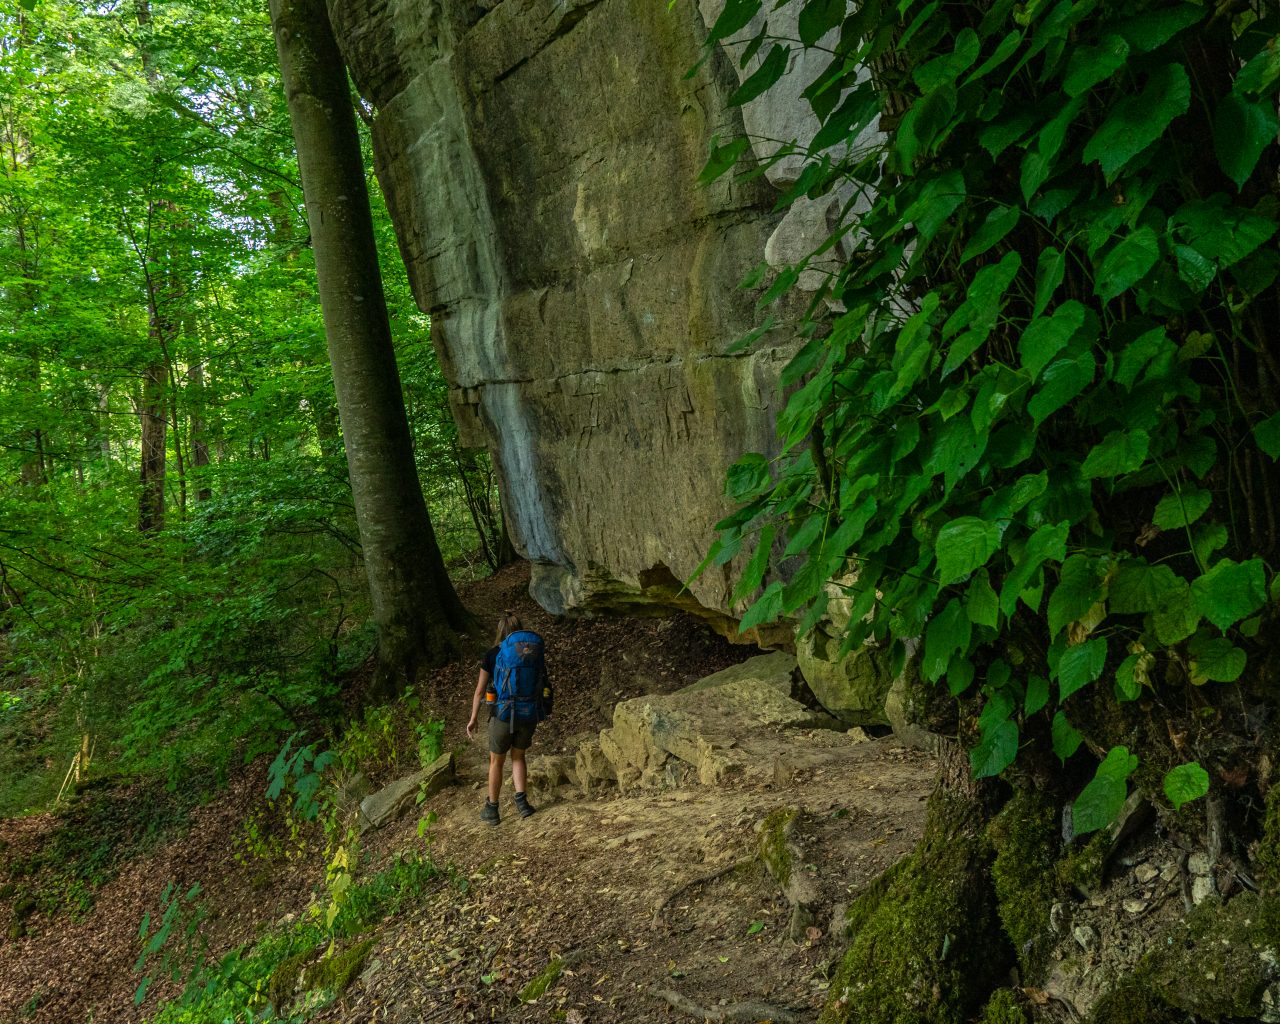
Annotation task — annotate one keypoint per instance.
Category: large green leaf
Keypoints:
(948, 634)
(1138, 588)
(1090, 65)
(1127, 264)
(1267, 434)
(981, 603)
(1080, 666)
(1051, 267)
(1048, 542)
(1120, 452)
(963, 545)
(1079, 588)
(998, 743)
(1101, 800)
(818, 17)
(1066, 740)
(1137, 121)
(1045, 337)
(772, 68)
(1230, 591)
(1242, 129)
(1215, 660)
(1185, 783)
(999, 223)
(1063, 381)
(1182, 508)
(1220, 231)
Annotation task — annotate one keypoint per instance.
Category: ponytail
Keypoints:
(508, 624)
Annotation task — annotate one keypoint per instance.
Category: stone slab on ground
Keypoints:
(394, 800)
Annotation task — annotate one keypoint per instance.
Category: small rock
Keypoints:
(1134, 906)
(1271, 1004)
(1085, 936)
(1169, 872)
(1058, 918)
(1145, 873)
(858, 735)
(1199, 864)
(1202, 888)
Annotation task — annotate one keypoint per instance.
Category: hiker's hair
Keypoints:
(507, 625)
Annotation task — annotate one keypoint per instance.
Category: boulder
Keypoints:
(392, 802)
(852, 688)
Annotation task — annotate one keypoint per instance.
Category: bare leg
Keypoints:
(495, 773)
(519, 770)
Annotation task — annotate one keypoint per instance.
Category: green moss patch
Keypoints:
(926, 946)
(335, 974)
(1025, 839)
(774, 830)
(1003, 1008)
(543, 981)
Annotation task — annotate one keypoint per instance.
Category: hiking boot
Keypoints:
(523, 806)
(490, 813)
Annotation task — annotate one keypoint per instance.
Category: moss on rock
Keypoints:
(1267, 855)
(774, 830)
(282, 986)
(1024, 836)
(1214, 965)
(543, 981)
(1003, 1008)
(1082, 866)
(335, 974)
(926, 947)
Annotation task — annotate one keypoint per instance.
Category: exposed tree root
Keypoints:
(748, 1010)
(700, 880)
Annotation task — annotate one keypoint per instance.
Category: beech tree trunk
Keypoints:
(415, 607)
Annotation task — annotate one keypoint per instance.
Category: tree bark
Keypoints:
(415, 607)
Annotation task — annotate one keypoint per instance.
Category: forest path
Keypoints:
(657, 903)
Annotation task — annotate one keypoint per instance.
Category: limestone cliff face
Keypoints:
(540, 160)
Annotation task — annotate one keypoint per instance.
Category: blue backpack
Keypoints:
(520, 679)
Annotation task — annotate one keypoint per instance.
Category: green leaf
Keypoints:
(948, 633)
(999, 223)
(1215, 660)
(1151, 30)
(1037, 695)
(766, 609)
(1267, 434)
(818, 17)
(1127, 264)
(1045, 337)
(753, 574)
(963, 545)
(737, 14)
(1128, 685)
(1177, 618)
(1220, 231)
(722, 158)
(755, 928)
(996, 750)
(1090, 65)
(1185, 783)
(1079, 589)
(1260, 73)
(1051, 267)
(1138, 588)
(1120, 452)
(1182, 508)
(1242, 129)
(1063, 381)
(1230, 592)
(1080, 666)
(1136, 122)
(1101, 800)
(770, 70)
(1066, 741)
(947, 68)
(981, 602)
(1048, 542)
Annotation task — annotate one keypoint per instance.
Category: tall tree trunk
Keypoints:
(152, 414)
(414, 604)
(199, 444)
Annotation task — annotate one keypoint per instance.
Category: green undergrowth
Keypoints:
(294, 970)
(1003, 1008)
(926, 944)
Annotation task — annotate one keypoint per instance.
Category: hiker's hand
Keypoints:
(471, 726)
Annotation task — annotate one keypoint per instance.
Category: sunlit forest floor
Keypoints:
(643, 901)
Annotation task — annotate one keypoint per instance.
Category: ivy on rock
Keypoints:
(1043, 422)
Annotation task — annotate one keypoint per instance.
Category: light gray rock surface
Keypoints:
(393, 801)
(540, 161)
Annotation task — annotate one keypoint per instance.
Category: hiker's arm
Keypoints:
(482, 684)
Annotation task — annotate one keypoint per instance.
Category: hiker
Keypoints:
(514, 685)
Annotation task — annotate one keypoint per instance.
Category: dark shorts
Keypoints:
(502, 739)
